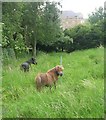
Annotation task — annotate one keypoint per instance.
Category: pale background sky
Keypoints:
(83, 6)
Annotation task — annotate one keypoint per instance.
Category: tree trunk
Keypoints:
(62, 49)
(34, 52)
(25, 34)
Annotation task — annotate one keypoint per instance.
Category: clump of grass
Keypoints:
(79, 92)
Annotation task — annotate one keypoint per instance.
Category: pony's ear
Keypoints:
(56, 68)
(62, 68)
(33, 58)
(59, 66)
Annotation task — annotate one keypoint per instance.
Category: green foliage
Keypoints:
(30, 21)
(12, 13)
(37, 22)
(97, 20)
(51, 23)
(38, 26)
(87, 35)
(79, 93)
(63, 43)
(96, 16)
(11, 18)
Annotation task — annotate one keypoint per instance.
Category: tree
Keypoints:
(97, 20)
(96, 16)
(34, 22)
(11, 23)
(30, 23)
(51, 23)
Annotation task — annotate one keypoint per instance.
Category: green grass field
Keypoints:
(79, 93)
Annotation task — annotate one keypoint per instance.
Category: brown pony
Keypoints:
(48, 78)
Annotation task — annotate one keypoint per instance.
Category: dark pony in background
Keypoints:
(26, 65)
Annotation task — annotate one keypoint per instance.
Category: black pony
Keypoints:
(25, 66)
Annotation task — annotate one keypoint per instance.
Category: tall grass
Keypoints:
(79, 92)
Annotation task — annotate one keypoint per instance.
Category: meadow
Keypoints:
(79, 92)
